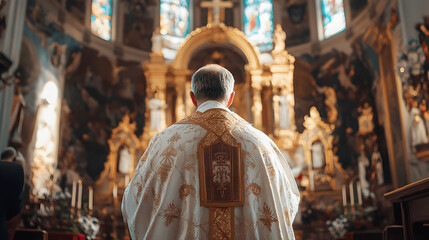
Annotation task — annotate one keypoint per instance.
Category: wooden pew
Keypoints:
(411, 211)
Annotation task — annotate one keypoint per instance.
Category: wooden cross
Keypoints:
(216, 10)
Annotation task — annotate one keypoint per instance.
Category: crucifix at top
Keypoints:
(216, 10)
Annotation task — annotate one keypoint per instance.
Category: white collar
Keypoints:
(211, 104)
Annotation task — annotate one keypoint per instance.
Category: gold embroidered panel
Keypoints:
(219, 154)
(222, 226)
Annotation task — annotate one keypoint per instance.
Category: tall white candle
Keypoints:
(73, 199)
(359, 193)
(311, 180)
(79, 195)
(352, 197)
(91, 199)
(115, 191)
(344, 195)
(127, 180)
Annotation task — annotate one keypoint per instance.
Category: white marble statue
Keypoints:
(279, 39)
(155, 106)
(124, 161)
(418, 131)
(366, 124)
(363, 163)
(378, 162)
(317, 155)
(157, 41)
(283, 112)
(331, 101)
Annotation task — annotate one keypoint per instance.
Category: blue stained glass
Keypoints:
(101, 19)
(258, 23)
(334, 19)
(174, 20)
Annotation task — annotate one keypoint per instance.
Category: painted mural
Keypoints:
(345, 90)
(43, 61)
(50, 55)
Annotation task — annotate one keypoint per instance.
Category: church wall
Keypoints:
(325, 70)
(412, 87)
(356, 108)
(98, 88)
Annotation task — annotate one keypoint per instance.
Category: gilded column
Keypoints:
(256, 85)
(155, 73)
(180, 81)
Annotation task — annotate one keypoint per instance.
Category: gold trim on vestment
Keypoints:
(220, 169)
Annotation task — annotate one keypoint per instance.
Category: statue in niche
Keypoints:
(157, 41)
(423, 30)
(124, 161)
(377, 163)
(279, 39)
(331, 101)
(317, 155)
(366, 124)
(363, 163)
(283, 112)
(155, 106)
(418, 130)
(424, 111)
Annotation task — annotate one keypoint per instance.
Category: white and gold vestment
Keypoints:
(163, 198)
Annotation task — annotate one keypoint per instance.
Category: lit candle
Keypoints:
(79, 195)
(73, 200)
(359, 193)
(115, 191)
(91, 200)
(127, 179)
(344, 195)
(352, 197)
(311, 180)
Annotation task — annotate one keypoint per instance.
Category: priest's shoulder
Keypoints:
(174, 129)
(250, 133)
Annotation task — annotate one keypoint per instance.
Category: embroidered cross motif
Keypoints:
(221, 167)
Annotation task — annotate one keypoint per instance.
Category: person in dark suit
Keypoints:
(11, 184)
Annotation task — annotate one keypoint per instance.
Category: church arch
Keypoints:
(219, 35)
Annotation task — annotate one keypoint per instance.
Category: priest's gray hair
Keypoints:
(212, 82)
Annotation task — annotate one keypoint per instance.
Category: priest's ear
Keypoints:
(231, 99)
(194, 99)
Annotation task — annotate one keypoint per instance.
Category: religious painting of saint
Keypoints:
(138, 28)
(296, 23)
(258, 23)
(174, 19)
(334, 19)
(101, 19)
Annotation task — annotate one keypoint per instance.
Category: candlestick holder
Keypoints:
(72, 212)
(352, 209)
(77, 215)
(361, 210)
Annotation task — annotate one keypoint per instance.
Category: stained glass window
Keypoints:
(174, 20)
(334, 19)
(258, 23)
(101, 19)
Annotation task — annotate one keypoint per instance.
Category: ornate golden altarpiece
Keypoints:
(269, 85)
(325, 173)
(123, 137)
